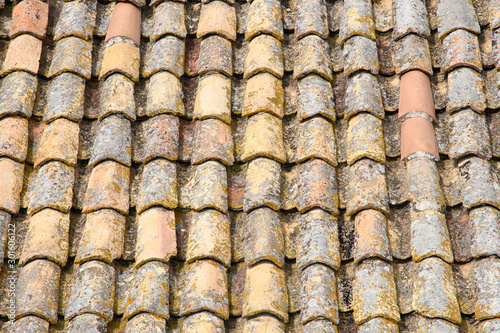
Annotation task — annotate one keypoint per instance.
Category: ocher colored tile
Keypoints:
(59, 142)
(14, 138)
(357, 20)
(202, 322)
(312, 58)
(263, 137)
(262, 184)
(213, 98)
(164, 95)
(365, 138)
(117, 97)
(319, 294)
(316, 139)
(264, 55)
(217, 17)
(264, 17)
(263, 93)
(74, 55)
(121, 58)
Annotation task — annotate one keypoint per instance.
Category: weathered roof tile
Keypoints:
(93, 291)
(53, 188)
(487, 297)
(103, 18)
(144, 322)
(215, 55)
(465, 89)
(113, 141)
(357, 20)
(37, 290)
(453, 15)
(469, 135)
(108, 187)
(264, 55)
(213, 141)
(167, 54)
(429, 236)
(360, 53)
(265, 291)
(125, 22)
(117, 97)
(485, 235)
(317, 187)
(32, 323)
(311, 18)
(74, 55)
(424, 184)
(14, 138)
(164, 95)
(312, 58)
(263, 93)
(263, 137)
(77, 18)
(412, 53)
(202, 321)
(371, 236)
(205, 289)
(416, 322)
(23, 54)
(169, 19)
(461, 48)
(410, 17)
(316, 139)
(213, 98)
(365, 138)
(17, 94)
(315, 96)
(59, 142)
(120, 57)
(30, 17)
(319, 294)
(264, 17)
(363, 95)
(65, 98)
(262, 185)
(217, 17)
(385, 56)
(480, 183)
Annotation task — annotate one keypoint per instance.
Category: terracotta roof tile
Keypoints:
(169, 19)
(117, 97)
(465, 89)
(17, 94)
(424, 184)
(23, 54)
(14, 138)
(158, 185)
(410, 17)
(316, 187)
(468, 135)
(315, 96)
(357, 20)
(265, 291)
(215, 55)
(365, 138)
(415, 322)
(92, 291)
(461, 48)
(412, 53)
(34, 323)
(203, 186)
(40, 298)
(430, 236)
(264, 55)
(207, 278)
(264, 17)
(312, 58)
(217, 17)
(213, 141)
(434, 274)
(164, 95)
(315, 139)
(417, 135)
(397, 184)
(363, 95)
(453, 15)
(125, 21)
(112, 142)
(374, 292)
(481, 185)
(263, 93)
(311, 18)
(48, 224)
(360, 53)
(265, 240)
(213, 98)
(77, 19)
(145, 322)
(59, 142)
(102, 237)
(53, 188)
(65, 58)
(371, 236)
(263, 137)
(65, 98)
(108, 187)
(485, 237)
(30, 17)
(202, 321)
(318, 241)
(262, 185)
(120, 57)
(209, 237)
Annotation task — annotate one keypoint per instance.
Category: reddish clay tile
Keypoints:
(264, 17)
(317, 186)
(371, 236)
(149, 291)
(262, 184)
(59, 142)
(263, 137)
(162, 138)
(93, 291)
(125, 22)
(263, 93)
(11, 183)
(23, 54)
(108, 188)
(236, 176)
(192, 55)
(205, 289)
(415, 94)
(461, 48)
(37, 290)
(219, 18)
(209, 237)
(31, 17)
(158, 185)
(121, 58)
(47, 237)
(156, 238)
(14, 138)
(265, 239)
(164, 95)
(319, 294)
(265, 291)
(213, 141)
(417, 134)
(102, 237)
(213, 98)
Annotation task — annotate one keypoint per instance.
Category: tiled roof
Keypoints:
(264, 166)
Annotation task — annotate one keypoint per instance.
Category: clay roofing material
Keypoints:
(261, 166)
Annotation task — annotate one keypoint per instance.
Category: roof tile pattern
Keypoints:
(232, 166)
